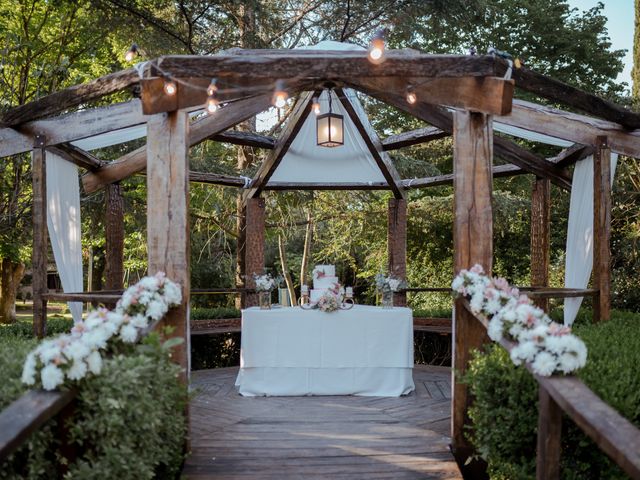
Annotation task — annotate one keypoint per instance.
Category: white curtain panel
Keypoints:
(63, 220)
(579, 255)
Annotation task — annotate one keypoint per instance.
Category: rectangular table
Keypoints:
(290, 351)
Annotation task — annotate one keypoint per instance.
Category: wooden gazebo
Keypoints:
(457, 95)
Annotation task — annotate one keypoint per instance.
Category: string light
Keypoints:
(280, 95)
(315, 106)
(170, 87)
(212, 104)
(131, 53)
(411, 96)
(376, 47)
(212, 88)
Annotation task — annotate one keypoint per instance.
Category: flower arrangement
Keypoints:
(549, 347)
(331, 300)
(266, 283)
(389, 283)
(72, 356)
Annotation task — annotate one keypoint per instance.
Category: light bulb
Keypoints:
(131, 53)
(280, 95)
(212, 104)
(170, 87)
(315, 106)
(412, 98)
(376, 47)
(212, 88)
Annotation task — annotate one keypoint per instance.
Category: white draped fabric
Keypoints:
(579, 255)
(63, 221)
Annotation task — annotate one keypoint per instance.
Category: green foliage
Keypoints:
(24, 328)
(129, 420)
(504, 412)
(210, 313)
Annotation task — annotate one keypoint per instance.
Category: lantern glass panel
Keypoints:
(330, 130)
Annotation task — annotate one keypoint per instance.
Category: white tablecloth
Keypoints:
(363, 351)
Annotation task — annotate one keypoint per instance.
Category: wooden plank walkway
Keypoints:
(345, 437)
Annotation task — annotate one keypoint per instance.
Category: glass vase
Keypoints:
(265, 300)
(387, 299)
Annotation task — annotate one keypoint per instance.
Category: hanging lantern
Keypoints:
(330, 128)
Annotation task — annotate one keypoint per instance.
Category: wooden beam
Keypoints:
(71, 127)
(77, 156)
(572, 126)
(490, 95)
(571, 155)
(374, 145)
(216, 179)
(602, 230)
(473, 243)
(40, 246)
(247, 139)
(549, 436)
(254, 248)
(297, 118)
(69, 97)
(114, 237)
(327, 186)
(413, 137)
(326, 65)
(168, 217)
(397, 244)
(540, 236)
(441, 118)
(447, 179)
(200, 130)
(558, 91)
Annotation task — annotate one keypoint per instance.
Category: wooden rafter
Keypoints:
(375, 147)
(571, 126)
(413, 137)
(294, 124)
(77, 156)
(571, 155)
(247, 139)
(199, 131)
(441, 118)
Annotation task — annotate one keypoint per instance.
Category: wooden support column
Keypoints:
(473, 243)
(114, 236)
(540, 236)
(602, 230)
(397, 244)
(254, 245)
(549, 435)
(167, 216)
(40, 249)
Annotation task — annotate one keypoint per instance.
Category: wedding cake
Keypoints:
(324, 278)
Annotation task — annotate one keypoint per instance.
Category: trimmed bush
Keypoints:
(211, 313)
(505, 411)
(129, 422)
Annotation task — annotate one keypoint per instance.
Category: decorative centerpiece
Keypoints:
(387, 286)
(265, 284)
(327, 294)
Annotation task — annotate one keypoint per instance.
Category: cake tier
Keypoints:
(324, 282)
(328, 270)
(315, 294)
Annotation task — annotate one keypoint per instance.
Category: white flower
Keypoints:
(544, 364)
(495, 329)
(523, 352)
(48, 350)
(156, 309)
(96, 338)
(139, 321)
(76, 350)
(476, 302)
(457, 284)
(77, 371)
(128, 333)
(51, 377)
(172, 293)
(493, 306)
(394, 284)
(94, 361)
(29, 370)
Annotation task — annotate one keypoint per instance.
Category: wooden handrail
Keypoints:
(613, 434)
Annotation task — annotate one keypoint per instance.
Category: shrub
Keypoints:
(504, 413)
(128, 422)
(211, 313)
(24, 328)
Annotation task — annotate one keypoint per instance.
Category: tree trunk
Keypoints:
(10, 278)
(306, 253)
(285, 271)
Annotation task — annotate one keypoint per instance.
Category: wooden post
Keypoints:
(167, 216)
(254, 245)
(114, 236)
(39, 255)
(540, 236)
(549, 433)
(473, 243)
(602, 230)
(397, 244)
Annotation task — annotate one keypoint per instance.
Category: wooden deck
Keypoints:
(234, 437)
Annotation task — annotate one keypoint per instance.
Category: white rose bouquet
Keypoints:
(389, 283)
(266, 283)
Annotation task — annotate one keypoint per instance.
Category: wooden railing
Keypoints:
(613, 434)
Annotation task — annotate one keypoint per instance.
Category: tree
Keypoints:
(635, 74)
